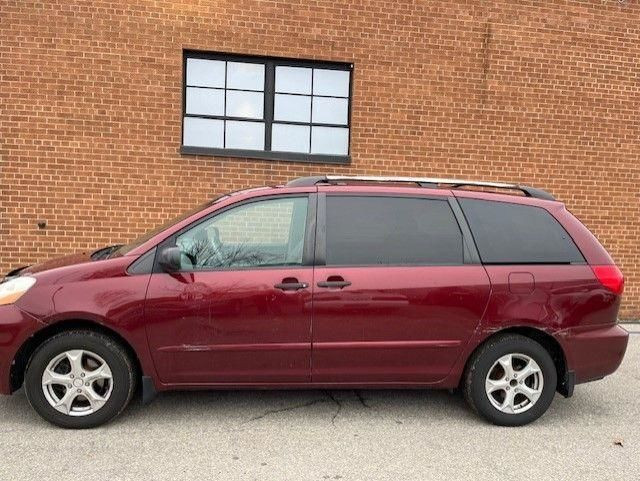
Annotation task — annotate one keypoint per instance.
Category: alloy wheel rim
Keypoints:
(514, 383)
(77, 382)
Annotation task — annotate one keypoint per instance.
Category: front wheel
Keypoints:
(510, 380)
(79, 379)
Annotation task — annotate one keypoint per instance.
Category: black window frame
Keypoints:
(270, 64)
(470, 255)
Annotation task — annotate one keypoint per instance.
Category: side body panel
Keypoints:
(561, 297)
(230, 326)
(568, 303)
(395, 324)
(100, 292)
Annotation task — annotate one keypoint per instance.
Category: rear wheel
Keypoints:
(511, 380)
(79, 379)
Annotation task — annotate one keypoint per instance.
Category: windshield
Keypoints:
(123, 250)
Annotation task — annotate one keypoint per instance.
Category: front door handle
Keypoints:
(291, 284)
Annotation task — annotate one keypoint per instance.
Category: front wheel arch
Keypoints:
(24, 353)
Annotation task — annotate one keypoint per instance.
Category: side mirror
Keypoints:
(170, 259)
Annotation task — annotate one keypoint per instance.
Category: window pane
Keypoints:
(246, 76)
(331, 82)
(205, 73)
(329, 140)
(244, 135)
(245, 104)
(290, 138)
(313, 101)
(293, 108)
(265, 233)
(205, 101)
(293, 80)
(391, 231)
(330, 111)
(518, 234)
(203, 132)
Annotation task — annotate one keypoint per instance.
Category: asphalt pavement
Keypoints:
(335, 435)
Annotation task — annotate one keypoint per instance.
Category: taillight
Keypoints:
(610, 277)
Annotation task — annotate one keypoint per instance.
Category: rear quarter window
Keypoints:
(518, 234)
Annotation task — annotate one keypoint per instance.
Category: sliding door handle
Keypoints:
(337, 284)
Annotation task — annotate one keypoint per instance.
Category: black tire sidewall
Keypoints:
(100, 345)
(484, 362)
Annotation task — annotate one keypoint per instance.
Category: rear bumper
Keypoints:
(593, 352)
(16, 326)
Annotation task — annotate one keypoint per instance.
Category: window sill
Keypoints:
(259, 154)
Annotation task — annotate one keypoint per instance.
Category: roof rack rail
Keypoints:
(421, 181)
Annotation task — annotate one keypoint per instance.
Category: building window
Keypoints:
(266, 108)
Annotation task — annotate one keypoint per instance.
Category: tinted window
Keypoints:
(264, 233)
(391, 230)
(518, 234)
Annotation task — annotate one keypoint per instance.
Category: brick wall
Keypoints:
(544, 93)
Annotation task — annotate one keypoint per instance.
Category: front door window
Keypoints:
(267, 233)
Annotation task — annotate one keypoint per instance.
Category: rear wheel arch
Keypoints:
(24, 353)
(546, 340)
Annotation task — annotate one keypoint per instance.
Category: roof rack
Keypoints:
(429, 182)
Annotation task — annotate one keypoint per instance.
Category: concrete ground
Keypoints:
(337, 435)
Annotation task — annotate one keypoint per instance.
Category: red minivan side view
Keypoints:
(326, 282)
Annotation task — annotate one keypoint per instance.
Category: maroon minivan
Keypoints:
(327, 282)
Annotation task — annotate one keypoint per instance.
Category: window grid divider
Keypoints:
(234, 90)
(224, 101)
(269, 101)
(310, 112)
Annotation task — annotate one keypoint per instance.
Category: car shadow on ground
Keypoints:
(334, 406)
(248, 407)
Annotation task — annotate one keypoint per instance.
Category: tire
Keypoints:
(110, 389)
(504, 400)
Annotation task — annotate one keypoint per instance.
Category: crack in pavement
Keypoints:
(288, 408)
(337, 403)
(361, 398)
(363, 402)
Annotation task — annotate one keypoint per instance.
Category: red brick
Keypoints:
(543, 93)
